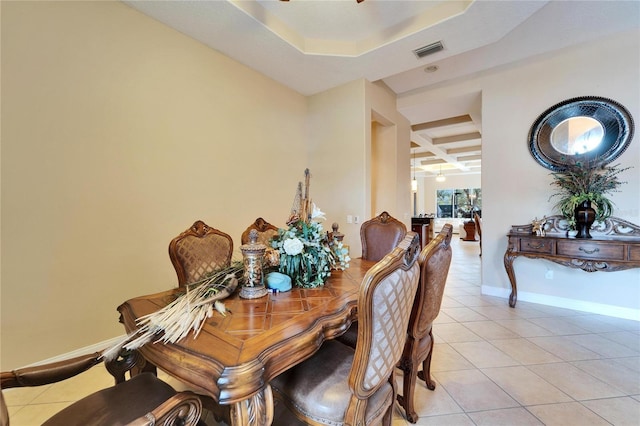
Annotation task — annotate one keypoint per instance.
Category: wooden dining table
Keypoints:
(234, 357)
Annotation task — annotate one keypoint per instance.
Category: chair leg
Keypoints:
(425, 374)
(388, 415)
(408, 385)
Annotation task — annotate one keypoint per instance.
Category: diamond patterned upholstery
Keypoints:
(359, 387)
(391, 307)
(198, 251)
(434, 261)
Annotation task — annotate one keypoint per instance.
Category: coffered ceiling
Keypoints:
(314, 45)
(450, 145)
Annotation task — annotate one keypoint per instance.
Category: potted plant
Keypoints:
(582, 194)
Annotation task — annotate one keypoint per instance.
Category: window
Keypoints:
(459, 202)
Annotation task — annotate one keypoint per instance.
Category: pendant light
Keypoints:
(440, 177)
(414, 181)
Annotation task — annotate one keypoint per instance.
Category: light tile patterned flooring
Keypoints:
(493, 365)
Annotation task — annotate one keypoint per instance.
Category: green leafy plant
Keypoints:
(582, 182)
(307, 254)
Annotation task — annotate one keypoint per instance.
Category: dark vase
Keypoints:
(585, 216)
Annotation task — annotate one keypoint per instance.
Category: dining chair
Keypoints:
(478, 222)
(143, 400)
(199, 251)
(380, 235)
(266, 231)
(342, 385)
(434, 261)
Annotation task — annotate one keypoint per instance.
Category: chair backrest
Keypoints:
(434, 261)
(266, 231)
(380, 235)
(198, 251)
(384, 305)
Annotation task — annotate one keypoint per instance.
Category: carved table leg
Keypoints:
(254, 411)
(508, 265)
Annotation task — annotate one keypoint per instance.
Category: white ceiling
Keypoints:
(314, 45)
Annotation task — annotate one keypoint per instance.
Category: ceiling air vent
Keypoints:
(429, 49)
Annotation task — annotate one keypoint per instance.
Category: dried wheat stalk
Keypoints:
(186, 314)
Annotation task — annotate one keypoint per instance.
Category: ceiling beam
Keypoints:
(456, 138)
(432, 162)
(441, 123)
(470, 158)
(441, 153)
(464, 149)
(424, 155)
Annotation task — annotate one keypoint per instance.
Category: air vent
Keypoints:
(429, 49)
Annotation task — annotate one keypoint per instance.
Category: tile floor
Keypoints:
(493, 365)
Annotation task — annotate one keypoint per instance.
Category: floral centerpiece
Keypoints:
(307, 253)
(582, 185)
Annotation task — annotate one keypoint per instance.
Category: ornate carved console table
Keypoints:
(615, 246)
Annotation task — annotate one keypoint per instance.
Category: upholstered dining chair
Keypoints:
(434, 261)
(380, 235)
(198, 251)
(266, 231)
(341, 385)
(478, 222)
(143, 400)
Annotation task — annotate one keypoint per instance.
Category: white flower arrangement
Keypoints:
(306, 253)
(292, 246)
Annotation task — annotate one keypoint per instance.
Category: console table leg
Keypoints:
(508, 265)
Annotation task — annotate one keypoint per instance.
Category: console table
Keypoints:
(615, 246)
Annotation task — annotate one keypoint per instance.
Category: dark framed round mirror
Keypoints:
(587, 129)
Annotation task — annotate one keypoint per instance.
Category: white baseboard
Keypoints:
(562, 302)
(97, 347)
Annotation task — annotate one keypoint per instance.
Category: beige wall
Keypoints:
(117, 134)
(341, 159)
(394, 137)
(336, 148)
(515, 188)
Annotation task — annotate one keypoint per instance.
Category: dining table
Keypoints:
(235, 356)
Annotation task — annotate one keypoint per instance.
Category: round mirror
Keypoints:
(577, 135)
(588, 129)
